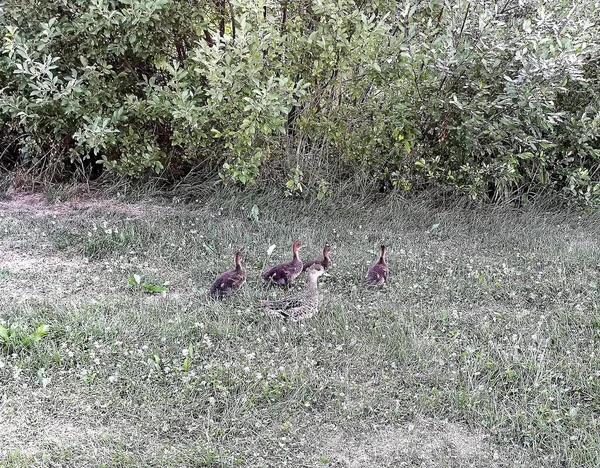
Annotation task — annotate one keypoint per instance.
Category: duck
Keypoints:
(230, 281)
(304, 305)
(325, 263)
(378, 273)
(285, 273)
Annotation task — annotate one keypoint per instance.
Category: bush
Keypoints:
(497, 100)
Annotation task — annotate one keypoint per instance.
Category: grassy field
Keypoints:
(482, 350)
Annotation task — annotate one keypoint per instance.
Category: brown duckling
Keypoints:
(304, 305)
(284, 273)
(325, 263)
(378, 273)
(229, 281)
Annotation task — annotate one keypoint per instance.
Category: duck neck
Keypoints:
(311, 283)
(382, 258)
(296, 258)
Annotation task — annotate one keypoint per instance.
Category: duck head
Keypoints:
(326, 251)
(238, 259)
(315, 271)
(297, 245)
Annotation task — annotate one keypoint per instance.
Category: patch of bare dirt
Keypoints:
(424, 443)
(37, 205)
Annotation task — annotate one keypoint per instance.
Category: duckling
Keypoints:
(304, 305)
(378, 273)
(284, 273)
(325, 263)
(229, 281)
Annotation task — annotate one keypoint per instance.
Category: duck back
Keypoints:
(377, 275)
(229, 281)
(284, 273)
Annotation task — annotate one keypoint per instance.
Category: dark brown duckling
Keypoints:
(284, 273)
(378, 273)
(230, 281)
(325, 263)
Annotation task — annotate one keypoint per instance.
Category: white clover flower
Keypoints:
(46, 381)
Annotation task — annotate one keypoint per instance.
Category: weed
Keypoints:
(14, 338)
(135, 281)
(105, 241)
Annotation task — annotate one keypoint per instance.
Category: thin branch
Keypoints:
(221, 5)
(208, 38)
(232, 20)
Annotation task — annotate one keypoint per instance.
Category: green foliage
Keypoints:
(323, 190)
(135, 281)
(498, 101)
(14, 338)
(294, 184)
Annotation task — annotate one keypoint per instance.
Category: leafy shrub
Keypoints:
(492, 99)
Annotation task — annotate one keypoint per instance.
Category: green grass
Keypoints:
(487, 332)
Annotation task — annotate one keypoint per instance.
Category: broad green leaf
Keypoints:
(4, 333)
